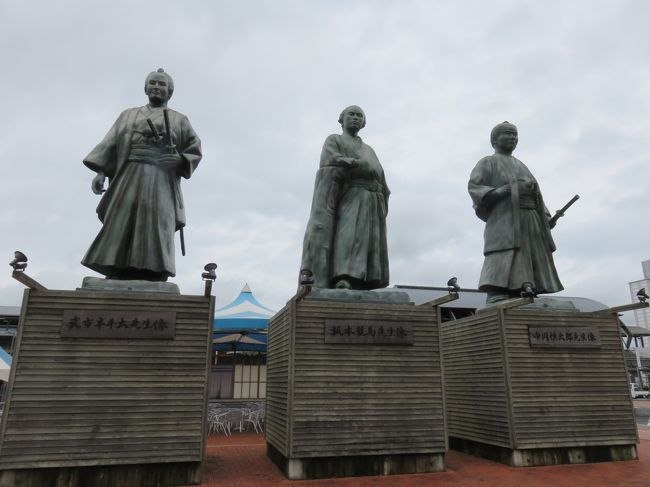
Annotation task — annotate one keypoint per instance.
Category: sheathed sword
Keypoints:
(172, 149)
(170, 143)
(156, 137)
(182, 235)
(560, 213)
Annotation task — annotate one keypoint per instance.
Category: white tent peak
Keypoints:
(246, 289)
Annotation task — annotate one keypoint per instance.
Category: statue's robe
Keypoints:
(518, 245)
(143, 205)
(346, 234)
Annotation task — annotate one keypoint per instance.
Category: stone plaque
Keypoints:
(92, 323)
(564, 336)
(368, 332)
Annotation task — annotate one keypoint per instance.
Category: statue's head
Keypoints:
(159, 86)
(353, 115)
(504, 137)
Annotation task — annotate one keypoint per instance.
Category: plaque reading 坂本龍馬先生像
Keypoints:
(564, 336)
(370, 332)
(85, 323)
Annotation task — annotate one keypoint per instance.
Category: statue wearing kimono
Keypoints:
(518, 245)
(345, 241)
(143, 205)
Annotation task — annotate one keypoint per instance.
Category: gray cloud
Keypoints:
(263, 83)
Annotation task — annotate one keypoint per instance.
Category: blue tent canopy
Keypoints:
(241, 341)
(225, 324)
(5, 357)
(242, 324)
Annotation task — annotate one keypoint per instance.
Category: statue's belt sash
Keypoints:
(143, 153)
(371, 185)
(527, 202)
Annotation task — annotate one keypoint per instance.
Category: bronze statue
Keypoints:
(518, 244)
(144, 155)
(345, 241)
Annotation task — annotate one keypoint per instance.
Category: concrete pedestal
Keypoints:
(106, 389)
(538, 387)
(354, 387)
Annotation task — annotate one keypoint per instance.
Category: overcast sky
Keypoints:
(263, 82)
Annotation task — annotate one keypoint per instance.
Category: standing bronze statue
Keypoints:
(144, 155)
(518, 244)
(345, 241)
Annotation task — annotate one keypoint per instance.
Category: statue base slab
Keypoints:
(551, 304)
(538, 457)
(163, 474)
(354, 388)
(540, 303)
(114, 386)
(355, 465)
(91, 283)
(355, 296)
(532, 387)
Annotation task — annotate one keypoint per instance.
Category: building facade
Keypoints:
(239, 349)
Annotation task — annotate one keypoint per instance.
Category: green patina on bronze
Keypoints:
(345, 241)
(143, 205)
(518, 242)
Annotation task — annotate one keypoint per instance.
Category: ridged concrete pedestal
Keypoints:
(107, 389)
(354, 388)
(530, 387)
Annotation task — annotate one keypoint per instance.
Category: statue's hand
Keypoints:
(354, 163)
(97, 184)
(349, 162)
(499, 193)
(170, 162)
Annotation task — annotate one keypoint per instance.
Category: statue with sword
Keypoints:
(143, 206)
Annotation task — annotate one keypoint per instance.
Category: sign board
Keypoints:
(368, 332)
(92, 323)
(564, 336)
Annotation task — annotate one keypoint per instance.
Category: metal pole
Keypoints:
(638, 367)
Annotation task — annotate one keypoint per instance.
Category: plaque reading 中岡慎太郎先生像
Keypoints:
(368, 332)
(85, 323)
(564, 336)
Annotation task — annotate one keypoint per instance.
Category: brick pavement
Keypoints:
(240, 461)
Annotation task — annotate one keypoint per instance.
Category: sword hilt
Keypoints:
(170, 143)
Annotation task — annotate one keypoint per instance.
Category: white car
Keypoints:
(638, 393)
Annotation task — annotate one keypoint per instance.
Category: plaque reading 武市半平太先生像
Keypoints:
(368, 332)
(564, 336)
(84, 323)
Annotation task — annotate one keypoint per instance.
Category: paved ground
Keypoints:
(241, 461)
(642, 411)
(641, 403)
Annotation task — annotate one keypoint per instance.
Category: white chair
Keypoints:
(254, 418)
(218, 420)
